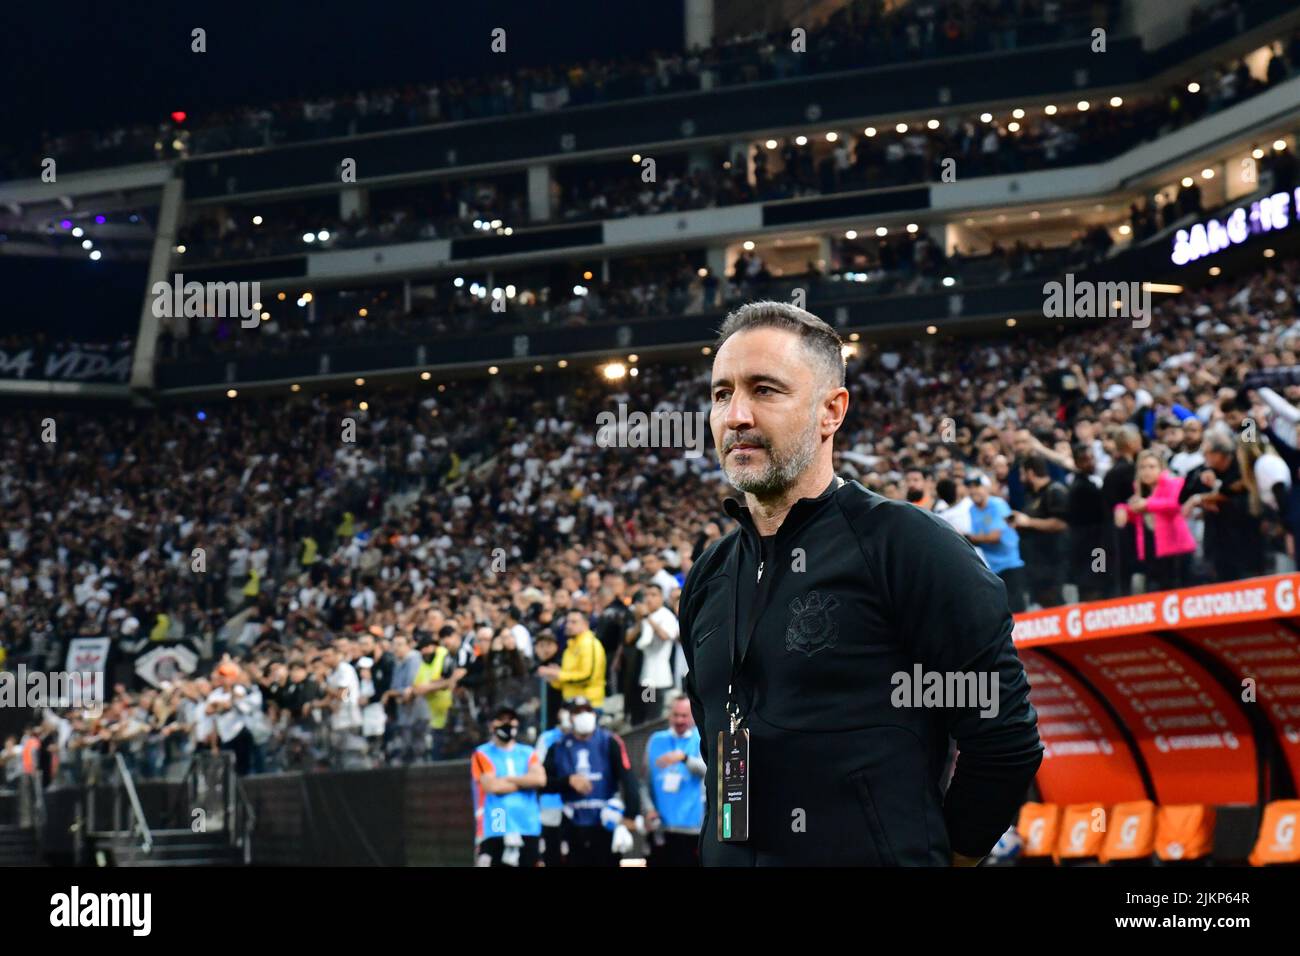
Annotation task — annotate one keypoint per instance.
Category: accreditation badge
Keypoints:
(733, 785)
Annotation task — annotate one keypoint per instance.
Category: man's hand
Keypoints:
(581, 783)
(668, 759)
(959, 860)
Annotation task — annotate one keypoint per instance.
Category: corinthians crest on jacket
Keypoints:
(811, 627)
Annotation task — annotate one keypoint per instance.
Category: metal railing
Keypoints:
(139, 825)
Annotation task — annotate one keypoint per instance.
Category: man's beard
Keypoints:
(782, 470)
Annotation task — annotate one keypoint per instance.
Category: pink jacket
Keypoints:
(1171, 532)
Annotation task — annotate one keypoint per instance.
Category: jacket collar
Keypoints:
(799, 511)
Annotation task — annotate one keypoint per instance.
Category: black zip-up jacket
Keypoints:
(861, 588)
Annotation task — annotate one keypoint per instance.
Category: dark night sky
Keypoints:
(75, 64)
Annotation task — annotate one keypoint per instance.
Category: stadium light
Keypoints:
(1215, 270)
(851, 234)
(1035, 214)
(1011, 323)
(1187, 181)
(881, 231)
(931, 329)
(869, 131)
(636, 157)
(265, 316)
(364, 406)
(510, 291)
(1049, 109)
(537, 368)
(933, 124)
(231, 392)
(86, 244)
(1125, 229)
(257, 220)
(1083, 106)
(949, 282)
(832, 136)
(634, 372)
(308, 237)
(280, 296)
(496, 223)
(701, 272)
(749, 244)
(614, 371)
(1193, 87)
(1013, 127)
(1269, 253)
(1279, 144)
(854, 336)
(563, 363)
(706, 350)
(1207, 173)
(96, 256)
(458, 282)
(770, 144)
(587, 275)
(78, 233)
(633, 359)
(306, 296)
(509, 230)
(257, 307)
(100, 220)
(295, 387)
(986, 117)
(1257, 153)
(425, 376)
(1117, 101)
(801, 140)
(359, 382)
(912, 227)
(323, 235)
(1018, 113)
(180, 250)
(901, 128)
(492, 370)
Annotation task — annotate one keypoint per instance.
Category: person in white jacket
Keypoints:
(659, 631)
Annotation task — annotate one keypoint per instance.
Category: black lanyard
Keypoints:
(757, 606)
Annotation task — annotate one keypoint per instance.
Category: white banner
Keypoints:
(87, 656)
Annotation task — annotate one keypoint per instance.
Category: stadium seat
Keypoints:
(1038, 826)
(1184, 832)
(1277, 841)
(1080, 836)
(1130, 832)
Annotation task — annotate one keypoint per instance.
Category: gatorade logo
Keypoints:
(1284, 832)
(1128, 833)
(1078, 833)
(1169, 609)
(1036, 833)
(1074, 622)
(1284, 596)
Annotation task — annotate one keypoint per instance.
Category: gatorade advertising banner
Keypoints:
(1265, 659)
(1191, 734)
(1084, 755)
(1251, 600)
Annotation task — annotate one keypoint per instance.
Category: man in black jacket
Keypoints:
(817, 622)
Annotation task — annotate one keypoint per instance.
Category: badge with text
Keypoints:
(733, 786)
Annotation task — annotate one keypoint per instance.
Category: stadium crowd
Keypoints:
(790, 169)
(378, 599)
(861, 32)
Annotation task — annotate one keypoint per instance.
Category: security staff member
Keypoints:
(802, 626)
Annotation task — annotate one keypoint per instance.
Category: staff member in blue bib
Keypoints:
(507, 778)
(590, 768)
(675, 772)
(554, 849)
